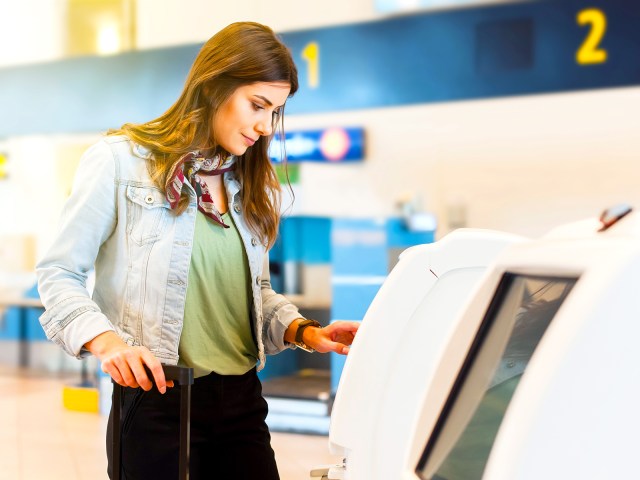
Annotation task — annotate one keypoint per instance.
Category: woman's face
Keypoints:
(249, 113)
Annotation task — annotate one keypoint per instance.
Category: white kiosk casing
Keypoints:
(572, 410)
(434, 279)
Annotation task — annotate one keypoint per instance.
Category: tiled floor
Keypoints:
(40, 440)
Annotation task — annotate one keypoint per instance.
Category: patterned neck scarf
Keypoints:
(186, 169)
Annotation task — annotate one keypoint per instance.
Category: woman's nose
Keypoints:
(264, 128)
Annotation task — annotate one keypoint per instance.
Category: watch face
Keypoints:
(305, 347)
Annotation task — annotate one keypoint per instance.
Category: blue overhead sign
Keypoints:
(468, 53)
(439, 56)
(331, 145)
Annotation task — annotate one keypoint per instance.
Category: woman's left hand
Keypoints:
(336, 337)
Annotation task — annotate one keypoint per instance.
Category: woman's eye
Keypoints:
(257, 107)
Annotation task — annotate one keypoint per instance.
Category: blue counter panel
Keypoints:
(280, 365)
(34, 330)
(337, 365)
(351, 302)
(359, 247)
(398, 236)
(304, 239)
(471, 53)
(10, 324)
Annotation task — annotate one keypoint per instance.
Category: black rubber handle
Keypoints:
(181, 375)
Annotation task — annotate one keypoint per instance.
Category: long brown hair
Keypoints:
(240, 54)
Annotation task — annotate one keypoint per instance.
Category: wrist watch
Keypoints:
(301, 328)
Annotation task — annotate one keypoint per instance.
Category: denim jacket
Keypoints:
(118, 222)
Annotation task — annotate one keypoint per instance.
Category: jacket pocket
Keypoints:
(147, 210)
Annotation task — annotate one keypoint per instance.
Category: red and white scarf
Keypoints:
(186, 169)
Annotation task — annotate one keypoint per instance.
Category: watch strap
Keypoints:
(302, 326)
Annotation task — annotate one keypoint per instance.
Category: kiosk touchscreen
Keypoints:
(540, 378)
(522, 309)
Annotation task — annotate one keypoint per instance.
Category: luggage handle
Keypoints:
(181, 375)
(184, 377)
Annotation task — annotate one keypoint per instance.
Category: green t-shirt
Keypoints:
(216, 335)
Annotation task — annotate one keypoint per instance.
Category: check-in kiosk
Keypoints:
(410, 317)
(539, 378)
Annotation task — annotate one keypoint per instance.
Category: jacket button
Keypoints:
(236, 207)
(148, 199)
(254, 242)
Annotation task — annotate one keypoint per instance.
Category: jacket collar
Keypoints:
(231, 182)
(140, 151)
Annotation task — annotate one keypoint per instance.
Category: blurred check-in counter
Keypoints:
(22, 339)
(331, 268)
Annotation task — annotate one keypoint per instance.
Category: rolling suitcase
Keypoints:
(183, 376)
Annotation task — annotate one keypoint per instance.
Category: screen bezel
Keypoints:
(503, 288)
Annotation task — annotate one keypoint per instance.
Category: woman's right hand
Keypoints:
(126, 364)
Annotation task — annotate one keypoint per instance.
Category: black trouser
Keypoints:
(229, 437)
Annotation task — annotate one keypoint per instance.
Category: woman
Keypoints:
(177, 216)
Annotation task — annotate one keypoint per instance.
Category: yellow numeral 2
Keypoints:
(589, 53)
(311, 54)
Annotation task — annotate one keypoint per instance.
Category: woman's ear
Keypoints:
(207, 90)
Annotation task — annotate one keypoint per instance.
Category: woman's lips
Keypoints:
(249, 141)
